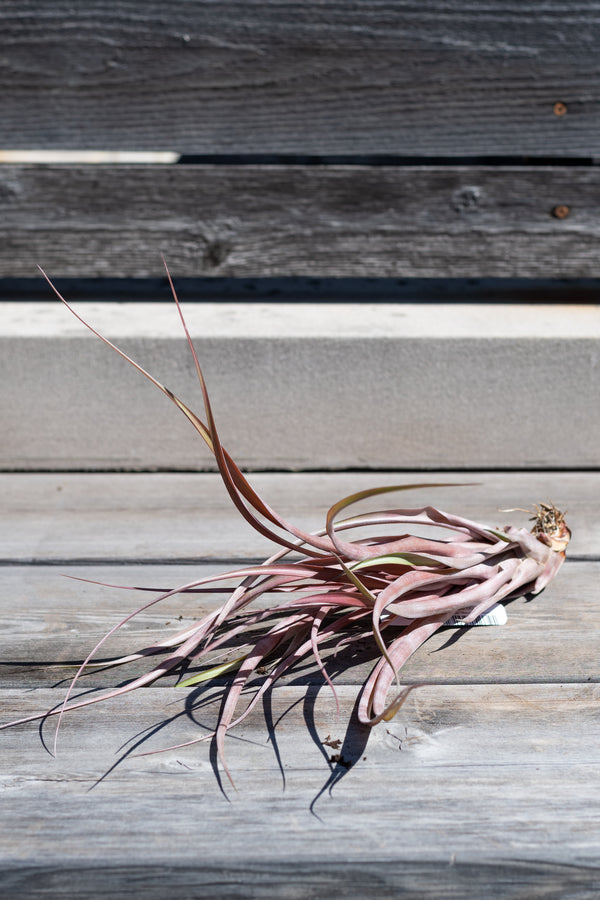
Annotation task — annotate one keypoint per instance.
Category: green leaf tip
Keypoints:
(400, 559)
(215, 672)
(499, 534)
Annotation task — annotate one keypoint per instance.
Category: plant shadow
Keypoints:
(344, 666)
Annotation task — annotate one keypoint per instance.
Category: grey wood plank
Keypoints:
(300, 386)
(467, 783)
(552, 638)
(178, 517)
(297, 220)
(347, 879)
(247, 77)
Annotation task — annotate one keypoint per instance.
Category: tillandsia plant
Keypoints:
(396, 590)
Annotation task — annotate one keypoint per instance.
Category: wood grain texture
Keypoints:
(189, 517)
(380, 879)
(289, 77)
(485, 783)
(552, 638)
(143, 528)
(467, 783)
(276, 220)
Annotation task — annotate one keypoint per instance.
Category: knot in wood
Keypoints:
(467, 199)
(215, 254)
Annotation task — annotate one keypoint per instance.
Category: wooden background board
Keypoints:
(292, 220)
(445, 78)
(477, 791)
(185, 518)
(484, 782)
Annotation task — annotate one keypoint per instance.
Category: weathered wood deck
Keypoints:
(485, 784)
(409, 153)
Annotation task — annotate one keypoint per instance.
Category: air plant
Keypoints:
(396, 590)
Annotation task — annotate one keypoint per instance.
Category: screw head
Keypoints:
(561, 212)
(559, 108)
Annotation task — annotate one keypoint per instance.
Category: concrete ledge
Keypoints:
(304, 386)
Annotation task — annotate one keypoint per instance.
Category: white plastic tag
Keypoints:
(495, 615)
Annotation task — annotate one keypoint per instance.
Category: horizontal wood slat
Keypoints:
(184, 517)
(471, 791)
(257, 221)
(295, 386)
(247, 77)
(555, 637)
